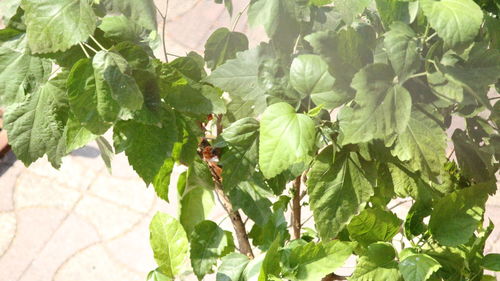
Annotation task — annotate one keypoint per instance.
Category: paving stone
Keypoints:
(95, 264)
(33, 191)
(73, 173)
(35, 227)
(7, 230)
(131, 193)
(110, 220)
(137, 255)
(74, 234)
(121, 168)
(8, 180)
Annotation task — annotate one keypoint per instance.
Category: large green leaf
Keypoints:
(232, 267)
(418, 267)
(19, 71)
(456, 21)
(455, 217)
(142, 12)
(208, 243)
(161, 181)
(113, 70)
(195, 206)
(401, 46)
(120, 28)
(395, 10)
(197, 99)
(93, 107)
(277, 16)
(310, 77)
(239, 76)
(286, 138)
(54, 26)
(373, 225)
(377, 264)
(35, 127)
(271, 264)
(223, 45)
(276, 226)
(9, 9)
(337, 190)
(157, 275)
(383, 108)
(76, 135)
(314, 261)
(492, 262)
(144, 146)
(252, 199)
(240, 158)
(350, 9)
(423, 144)
(169, 243)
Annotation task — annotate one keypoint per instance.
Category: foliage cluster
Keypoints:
(348, 106)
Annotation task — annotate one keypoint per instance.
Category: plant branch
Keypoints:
(238, 225)
(163, 29)
(97, 43)
(239, 16)
(296, 209)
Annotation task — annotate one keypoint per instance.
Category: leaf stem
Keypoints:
(430, 37)
(84, 50)
(90, 47)
(296, 208)
(239, 16)
(97, 43)
(417, 75)
(163, 29)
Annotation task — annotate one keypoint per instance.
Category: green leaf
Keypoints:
(9, 9)
(19, 72)
(240, 158)
(449, 92)
(252, 199)
(157, 275)
(208, 242)
(35, 127)
(337, 190)
(423, 144)
(53, 26)
(106, 150)
(232, 267)
(271, 264)
(144, 146)
(383, 109)
(418, 267)
(474, 163)
(223, 45)
(276, 226)
(239, 76)
(93, 107)
(143, 12)
(455, 217)
(377, 264)
(161, 181)
(492, 262)
(197, 99)
(169, 243)
(456, 21)
(350, 9)
(269, 13)
(120, 28)
(286, 138)
(374, 225)
(396, 10)
(76, 135)
(313, 261)
(195, 206)
(115, 72)
(310, 77)
(401, 46)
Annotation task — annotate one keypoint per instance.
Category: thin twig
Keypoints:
(451, 154)
(84, 50)
(90, 47)
(332, 277)
(164, 26)
(97, 43)
(296, 208)
(239, 16)
(399, 204)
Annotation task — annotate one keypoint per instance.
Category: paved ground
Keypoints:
(81, 223)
